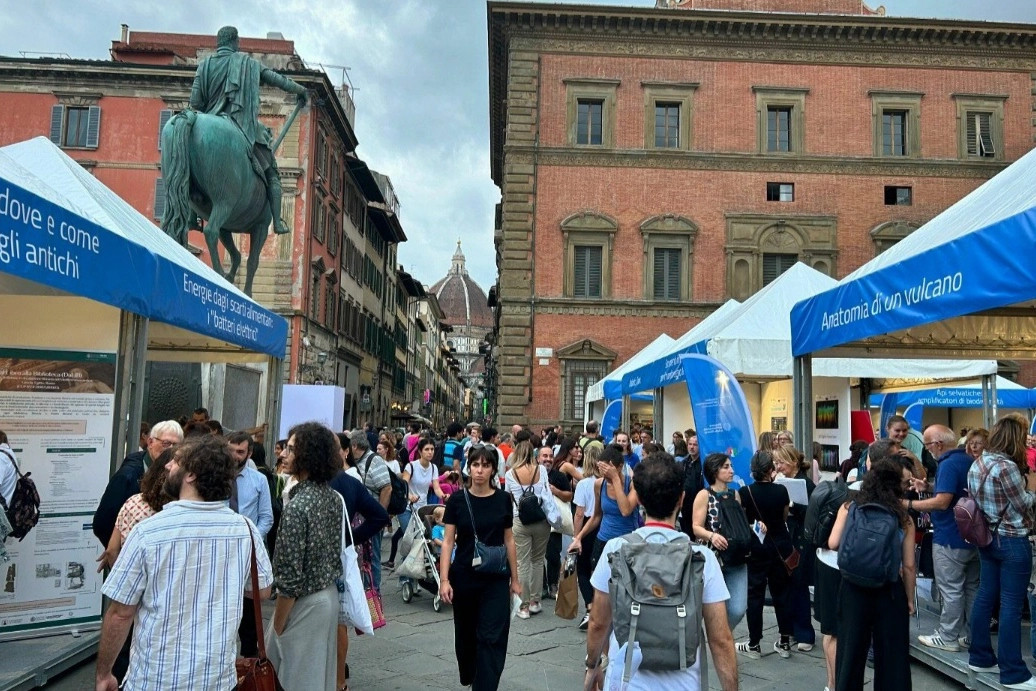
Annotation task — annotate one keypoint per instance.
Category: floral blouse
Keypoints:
(307, 556)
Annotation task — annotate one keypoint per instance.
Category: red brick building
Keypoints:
(654, 162)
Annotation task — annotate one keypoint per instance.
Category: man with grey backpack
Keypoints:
(635, 622)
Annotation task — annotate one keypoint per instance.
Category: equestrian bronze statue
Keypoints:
(217, 159)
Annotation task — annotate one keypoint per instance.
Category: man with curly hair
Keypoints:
(180, 578)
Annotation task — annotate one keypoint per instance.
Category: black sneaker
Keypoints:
(585, 623)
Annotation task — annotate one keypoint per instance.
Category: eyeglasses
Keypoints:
(930, 443)
(164, 443)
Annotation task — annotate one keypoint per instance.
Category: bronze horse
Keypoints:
(208, 173)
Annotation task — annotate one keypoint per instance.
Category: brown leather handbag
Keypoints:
(257, 673)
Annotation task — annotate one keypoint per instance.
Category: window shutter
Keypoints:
(659, 278)
(159, 198)
(579, 278)
(93, 128)
(776, 264)
(985, 134)
(673, 274)
(594, 272)
(971, 133)
(57, 117)
(163, 118)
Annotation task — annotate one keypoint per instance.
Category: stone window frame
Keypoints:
(885, 235)
(586, 352)
(588, 228)
(909, 101)
(584, 89)
(813, 238)
(681, 93)
(993, 104)
(793, 97)
(669, 231)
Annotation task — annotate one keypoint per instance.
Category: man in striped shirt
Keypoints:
(180, 579)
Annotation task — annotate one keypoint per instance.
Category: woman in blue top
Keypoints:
(616, 514)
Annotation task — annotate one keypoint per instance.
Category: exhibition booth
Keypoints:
(753, 341)
(90, 291)
(954, 406)
(604, 401)
(962, 285)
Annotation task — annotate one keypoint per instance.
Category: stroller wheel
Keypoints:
(437, 603)
(408, 592)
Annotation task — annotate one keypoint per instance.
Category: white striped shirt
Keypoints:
(187, 568)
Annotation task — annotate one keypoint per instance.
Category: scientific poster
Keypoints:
(57, 409)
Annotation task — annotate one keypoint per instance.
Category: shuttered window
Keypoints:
(75, 127)
(588, 271)
(980, 135)
(159, 198)
(776, 264)
(667, 274)
(163, 117)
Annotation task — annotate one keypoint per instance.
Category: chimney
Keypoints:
(125, 33)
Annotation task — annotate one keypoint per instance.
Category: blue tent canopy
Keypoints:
(961, 269)
(60, 227)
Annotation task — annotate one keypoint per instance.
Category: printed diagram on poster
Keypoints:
(57, 408)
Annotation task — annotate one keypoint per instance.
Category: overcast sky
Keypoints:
(421, 74)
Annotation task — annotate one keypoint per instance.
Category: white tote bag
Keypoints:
(352, 601)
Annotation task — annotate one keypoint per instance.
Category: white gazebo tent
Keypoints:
(82, 272)
(962, 285)
(607, 392)
(754, 342)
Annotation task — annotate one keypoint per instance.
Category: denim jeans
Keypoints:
(736, 578)
(1006, 566)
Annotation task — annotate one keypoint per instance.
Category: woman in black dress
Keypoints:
(481, 601)
(767, 503)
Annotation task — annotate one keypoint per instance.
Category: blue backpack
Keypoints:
(870, 552)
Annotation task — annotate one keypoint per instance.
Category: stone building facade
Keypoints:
(654, 162)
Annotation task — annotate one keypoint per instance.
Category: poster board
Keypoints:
(57, 408)
(311, 403)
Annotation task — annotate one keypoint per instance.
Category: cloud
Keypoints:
(420, 68)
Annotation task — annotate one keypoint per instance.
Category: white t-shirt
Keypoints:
(585, 497)
(688, 680)
(540, 487)
(420, 481)
(393, 466)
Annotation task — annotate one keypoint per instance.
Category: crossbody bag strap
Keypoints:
(471, 513)
(10, 456)
(257, 610)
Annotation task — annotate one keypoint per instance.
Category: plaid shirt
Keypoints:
(1002, 492)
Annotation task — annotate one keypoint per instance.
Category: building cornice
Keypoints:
(610, 308)
(751, 162)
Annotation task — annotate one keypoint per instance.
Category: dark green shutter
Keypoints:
(985, 134)
(159, 198)
(594, 272)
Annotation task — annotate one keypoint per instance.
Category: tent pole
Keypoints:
(129, 389)
(626, 400)
(658, 419)
(988, 416)
(274, 390)
(992, 399)
(802, 393)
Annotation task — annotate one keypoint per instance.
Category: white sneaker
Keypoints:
(782, 649)
(535, 608)
(749, 651)
(523, 613)
(1029, 683)
(995, 669)
(936, 641)
(804, 647)
(964, 642)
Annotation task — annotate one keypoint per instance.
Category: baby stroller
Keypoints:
(421, 565)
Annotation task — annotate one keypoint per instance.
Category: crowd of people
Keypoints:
(511, 506)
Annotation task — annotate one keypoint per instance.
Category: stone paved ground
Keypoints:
(415, 653)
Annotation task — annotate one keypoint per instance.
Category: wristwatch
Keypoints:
(601, 662)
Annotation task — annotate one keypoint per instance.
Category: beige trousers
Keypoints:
(530, 542)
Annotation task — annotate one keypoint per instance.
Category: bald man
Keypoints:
(956, 562)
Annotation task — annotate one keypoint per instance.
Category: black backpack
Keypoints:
(870, 552)
(827, 499)
(733, 525)
(24, 512)
(400, 497)
(530, 511)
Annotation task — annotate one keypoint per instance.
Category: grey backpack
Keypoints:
(656, 593)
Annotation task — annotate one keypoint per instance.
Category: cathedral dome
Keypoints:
(462, 301)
